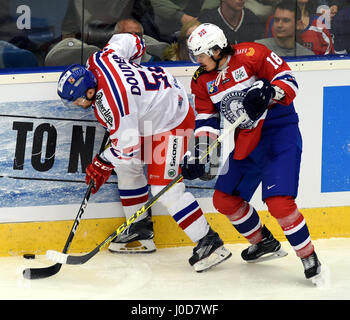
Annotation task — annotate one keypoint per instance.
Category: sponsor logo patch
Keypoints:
(173, 157)
(240, 74)
(212, 88)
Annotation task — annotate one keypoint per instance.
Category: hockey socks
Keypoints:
(247, 223)
(132, 200)
(297, 233)
(240, 213)
(293, 224)
(189, 216)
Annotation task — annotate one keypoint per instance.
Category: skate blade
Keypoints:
(139, 246)
(219, 255)
(267, 257)
(321, 280)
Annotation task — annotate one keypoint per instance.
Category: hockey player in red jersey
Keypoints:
(149, 119)
(249, 78)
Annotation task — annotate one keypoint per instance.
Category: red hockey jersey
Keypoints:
(251, 61)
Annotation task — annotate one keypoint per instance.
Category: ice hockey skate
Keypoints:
(312, 268)
(267, 249)
(138, 238)
(209, 252)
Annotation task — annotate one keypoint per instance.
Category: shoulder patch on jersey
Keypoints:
(212, 88)
(198, 73)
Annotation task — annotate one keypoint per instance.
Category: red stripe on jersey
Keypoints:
(99, 119)
(140, 48)
(121, 87)
(132, 148)
(192, 218)
(102, 83)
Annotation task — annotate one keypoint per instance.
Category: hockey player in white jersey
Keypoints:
(150, 121)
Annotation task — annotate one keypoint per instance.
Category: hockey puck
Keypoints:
(29, 256)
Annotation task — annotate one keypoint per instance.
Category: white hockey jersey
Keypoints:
(132, 100)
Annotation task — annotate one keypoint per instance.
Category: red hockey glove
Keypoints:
(99, 171)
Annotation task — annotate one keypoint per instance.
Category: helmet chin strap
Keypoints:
(217, 61)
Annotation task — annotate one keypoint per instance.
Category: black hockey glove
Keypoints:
(257, 99)
(191, 167)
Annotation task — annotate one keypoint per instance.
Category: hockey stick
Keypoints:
(69, 259)
(40, 273)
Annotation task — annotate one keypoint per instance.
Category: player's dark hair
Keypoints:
(226, 51)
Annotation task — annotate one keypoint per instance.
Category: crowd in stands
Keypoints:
(65, 33)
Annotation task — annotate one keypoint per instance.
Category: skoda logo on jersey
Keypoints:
(232, 107)
(212, 88)
(171, 173)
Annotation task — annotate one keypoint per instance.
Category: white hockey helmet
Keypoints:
(204, 39)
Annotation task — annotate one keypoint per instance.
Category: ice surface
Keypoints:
(166, 275)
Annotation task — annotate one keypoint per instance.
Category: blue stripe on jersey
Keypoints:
(288, 77)
(111, 82)
(133, 192)
(182, 213)
(211, 122)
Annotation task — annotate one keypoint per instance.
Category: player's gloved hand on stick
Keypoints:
(99, 171)
(191, 168)
(257, 99)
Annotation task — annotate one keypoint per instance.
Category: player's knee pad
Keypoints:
(281, 206)
(169, 198)
(227, 204)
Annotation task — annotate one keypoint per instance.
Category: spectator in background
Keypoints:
(341, 30)
(263, 9)
(286, 18)
(69, 51)
(238, 23)
(327, 9)
(13, 57)
(94, 26)
(178, 51)
(171, 15)
(314, 34)
(154, 48)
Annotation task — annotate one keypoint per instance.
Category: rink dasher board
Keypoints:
(41, 204)
(38, 237)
